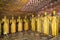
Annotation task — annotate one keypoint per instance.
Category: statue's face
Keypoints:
(19, 17)
(38, 15)
(12, 17)
(45, 13)
(25, 17)
(4, 17)
(32, 15)
(54, 12)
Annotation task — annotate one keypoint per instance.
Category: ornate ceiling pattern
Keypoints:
(9, 7)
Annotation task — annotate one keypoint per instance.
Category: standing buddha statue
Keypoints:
(5, 25)
(46, 24)
(26, 26)
(20, 27)
(13, 25)
(33, 21)
(0, 26)
(54, 25)
(39, 24)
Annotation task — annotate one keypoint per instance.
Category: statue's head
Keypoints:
(38, 15)
(32, 15)
(25, 17)
(19, 17)
(54, 12)
(45, 13)
(5, 17)
(12, 17)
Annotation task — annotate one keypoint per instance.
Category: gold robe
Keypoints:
(26, 27)
(0, 27)
(20, 27)
(39, 24)
(13, 25)
(33, 24)
(5, 26)
(46, 25)
(54, 26)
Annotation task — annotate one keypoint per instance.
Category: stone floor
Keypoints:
(28, 36)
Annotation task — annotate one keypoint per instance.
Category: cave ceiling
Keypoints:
(21, 7)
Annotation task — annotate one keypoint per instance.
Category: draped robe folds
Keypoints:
(39, 25)
(26, 27)
(46, 25)
(20, 25)
(0, 26)
(33, 24)
(5, 26)
(54, 26)
(13, 26)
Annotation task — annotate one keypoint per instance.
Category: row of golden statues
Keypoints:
(49, 25)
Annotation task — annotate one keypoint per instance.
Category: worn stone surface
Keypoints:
(27, 36)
